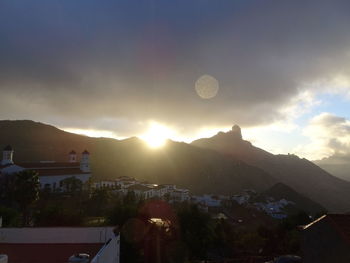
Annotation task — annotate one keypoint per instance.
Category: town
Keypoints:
(110, 201)
(52, 177)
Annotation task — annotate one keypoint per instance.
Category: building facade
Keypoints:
(51, 173)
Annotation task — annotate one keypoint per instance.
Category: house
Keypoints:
(125, 181)
(170, 187)
(60, 244)
(180, 195)
(207, 200)
(104, 184)
(274, 208)
(141, 191)
(327, 239)
(160, 191)
(50, 173)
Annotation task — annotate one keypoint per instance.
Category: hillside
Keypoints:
(200, 170)
(337, 164)
(302, 175)
(281, 191)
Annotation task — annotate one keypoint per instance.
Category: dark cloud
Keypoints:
(114, 64)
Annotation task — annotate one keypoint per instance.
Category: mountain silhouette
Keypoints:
(200, 170)
(300, 174)
(223, 164)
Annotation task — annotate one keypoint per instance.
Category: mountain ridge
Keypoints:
(336, 164)
(200, 170)
(300, 174)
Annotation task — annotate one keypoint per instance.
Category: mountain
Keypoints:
(200, 170)
(337, 164)
(302, 175)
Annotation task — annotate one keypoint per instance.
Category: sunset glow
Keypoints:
(93, 133)
(157, 135)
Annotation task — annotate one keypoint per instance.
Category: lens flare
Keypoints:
(207, 87)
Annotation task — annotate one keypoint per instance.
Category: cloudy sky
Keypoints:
(278, 68)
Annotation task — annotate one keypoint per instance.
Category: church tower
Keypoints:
(72, 157)
(7, 155)
(85, 162)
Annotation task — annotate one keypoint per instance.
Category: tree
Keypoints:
(6, 189)
(10, 217)
(72, 184)
(98, 202)
(197, 230)
(24, 189)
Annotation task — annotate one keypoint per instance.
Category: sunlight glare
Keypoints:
(157, 135)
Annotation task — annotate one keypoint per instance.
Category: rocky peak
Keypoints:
(236, 132)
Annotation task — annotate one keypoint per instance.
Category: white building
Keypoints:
(124, 182)
(160, 191)
(50, 173)
(274, 208)
(207, 200)
(105, 184)
(145, 190)
(141, 191)
(180, 195)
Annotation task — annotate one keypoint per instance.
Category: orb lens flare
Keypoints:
(207, 87)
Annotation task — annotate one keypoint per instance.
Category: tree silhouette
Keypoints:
(72, 185)
(24, 189)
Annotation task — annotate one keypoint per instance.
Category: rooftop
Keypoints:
(138, 187)
(159, 187)
(57, 172)
(44, 253)
(40, 165)
(340, 222)
(54, 245)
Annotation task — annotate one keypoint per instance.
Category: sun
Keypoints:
(157, 135)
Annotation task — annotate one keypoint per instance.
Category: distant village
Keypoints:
(51, 175)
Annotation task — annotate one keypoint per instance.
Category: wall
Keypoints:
(3, 259)
(56, 235)
(12, 169)
(110, 253)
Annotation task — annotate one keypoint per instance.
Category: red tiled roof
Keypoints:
(55, 172)
(46, 253)
(48, 165)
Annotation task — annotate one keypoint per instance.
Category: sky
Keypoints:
(118, 68)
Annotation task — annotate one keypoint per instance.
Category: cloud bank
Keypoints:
(113, 65)
(329, 136)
